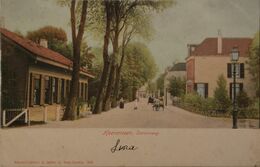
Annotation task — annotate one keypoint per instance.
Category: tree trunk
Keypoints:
(71, 106)
(118, 70)
(111, 81)
(107, 99)
(116, 89)
(101, 91)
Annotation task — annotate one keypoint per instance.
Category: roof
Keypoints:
(179, 67)
(209, 46)
(39, 50)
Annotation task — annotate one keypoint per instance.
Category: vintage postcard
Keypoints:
(129, 83)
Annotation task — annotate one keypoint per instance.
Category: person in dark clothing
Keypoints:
(121, 103)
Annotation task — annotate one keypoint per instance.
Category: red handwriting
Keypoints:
(54, 162)
(130, 133)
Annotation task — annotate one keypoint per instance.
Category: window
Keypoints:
(67, 88)
(201, 89)
(47, 90)
(55, 89)
(36, 91)
(86, 92)
(239, 68)
(62, 90)
(238, 87)
(82, 90)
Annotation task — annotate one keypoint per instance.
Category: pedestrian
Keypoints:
(136, 102)
(121, 103)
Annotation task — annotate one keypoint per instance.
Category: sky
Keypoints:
(187, 22)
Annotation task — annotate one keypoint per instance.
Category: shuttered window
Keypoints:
(229, 74)
(62, 90)
(86, 92)
(55, 90)
(37, 91)
(47, 90)
(240, 70)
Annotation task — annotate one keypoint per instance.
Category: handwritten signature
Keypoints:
(118, 147)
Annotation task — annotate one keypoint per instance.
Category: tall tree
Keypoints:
(160, 83)
(123, 11)
(136, 25)
(77, 36)
(254, 61)
(106, 58)
(56, 37)
(177, 86)
(221, 95)
(50, 33)
(138, 69)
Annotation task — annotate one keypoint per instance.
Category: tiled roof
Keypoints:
(38, 50)
(209, 46)
(179, 67)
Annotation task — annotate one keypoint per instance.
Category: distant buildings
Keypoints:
(178, 70)
(211, 58)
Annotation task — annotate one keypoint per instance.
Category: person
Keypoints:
(156, 104)
(121, 103)
(150, 99)
(136, 102)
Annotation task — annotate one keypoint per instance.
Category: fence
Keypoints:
(12, 115)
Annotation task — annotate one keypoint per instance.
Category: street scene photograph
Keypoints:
(130, 83)
(130, 64)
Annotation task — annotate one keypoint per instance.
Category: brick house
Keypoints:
(211, 58)
(33, 75)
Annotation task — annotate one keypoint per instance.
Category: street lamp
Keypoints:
(234, 58)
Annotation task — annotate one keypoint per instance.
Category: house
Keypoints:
(178, 70)
(142, 92)
(211, 58)
(33, 75)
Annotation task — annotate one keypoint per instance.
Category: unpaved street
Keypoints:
(145, 117)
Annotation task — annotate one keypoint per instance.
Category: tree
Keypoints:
(138, 69)
(221, 95)
(106, 63)
(77, 36)
(137, 25)
(50, 33)
(57, 41)
(123, 10)
(56, 37)
(177, 86)
(254, 61)
(151, 87)
(243, 100)
(119, 11)
(160, 83)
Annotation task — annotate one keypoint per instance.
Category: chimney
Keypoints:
(44, 43)
(219, 47)
(191, 48)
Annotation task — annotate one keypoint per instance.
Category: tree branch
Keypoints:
(73, 21)
(82, 20)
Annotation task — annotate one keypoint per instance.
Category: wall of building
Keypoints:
(14, 70)
(190, 65)
(209, 68)
(42, 70)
